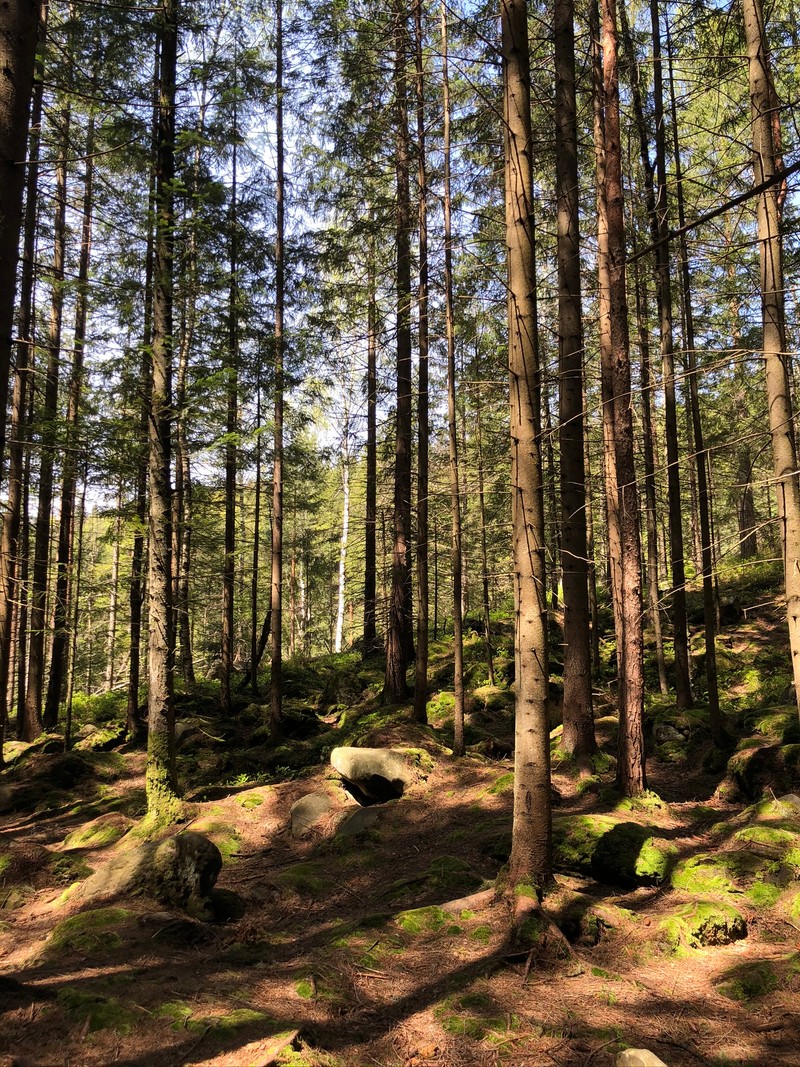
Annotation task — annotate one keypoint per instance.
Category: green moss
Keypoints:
(780, 842)
(95, 835)
(88, 931)
(763, 895)
(482, 934)
(253, 800)
(474, 1015)
(70, 868)
(504, 784)
(647, 801)
(97, 1013)
(302, 878)
(305, 988)
(702, 923)
(794, 911)
(602, 763)
(224, 835)
(748, 980)
(178, 1011)
(5, 863)
(703, 874)
(230, 1023)
(422, 920)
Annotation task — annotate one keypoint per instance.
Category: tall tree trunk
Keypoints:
(423, 429)
(19, 22)
(76, 606)
(452, 428)
(231, 420)
(370, 640)
(703, 459)
(399, 645)
(578, 734)
(13, 575)
(653, 592)
(255, 656)
(41, 551)
(276, 611)
(784, 453)
(69, 467)
(683, 684)
(135, 725)
(487, 614)
(655, 178)
(113, 600)
(343, 540)
(618, 416)
(161, 782)
(531, 844)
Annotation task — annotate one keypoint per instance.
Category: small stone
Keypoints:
(357, 821)
(638, 1057)
(308, 811)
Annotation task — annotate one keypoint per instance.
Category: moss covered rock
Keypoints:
(619, 853)
(88, 931)
(179, 871)
(703, 923)
(99, 833)
(97, 1012)
(749, 980)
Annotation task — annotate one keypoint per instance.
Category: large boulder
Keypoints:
(178, 871)
(375, 775)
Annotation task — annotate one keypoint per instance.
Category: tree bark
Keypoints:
(616, 383)
(160, 778)
(47, 442)
(69, 467)
(452, 427)
(370, 640)
(399, 644)
(531, 847)
(13, 576)
(19, 23)
(784, 452)
(423, 429)
(276, 609)
(578, 733)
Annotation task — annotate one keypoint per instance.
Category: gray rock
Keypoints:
(357, 820)
(792, 799)
(638, 1057)
(663, 731)
(179, 871)
(308, 811)
(375, 775)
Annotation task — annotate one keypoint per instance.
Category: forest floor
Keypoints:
(343, 950)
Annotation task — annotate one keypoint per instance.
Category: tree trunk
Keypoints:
(531, 847)
(76, 605)
(452, 428)
(69, 467)
(113, 600)
(47, 441)
(12, 561)
(423, 428)
(160, 779)
(134, 722)
(578, 734)
(276, 610)
(370, 517)
(784, 453)
(399, 646)
(231, 421)
(255, 658)
(341, 583)
(618, 416)
(487, 614)
(19, 22)
(703, 459)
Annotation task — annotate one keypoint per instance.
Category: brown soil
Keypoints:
(319, 971)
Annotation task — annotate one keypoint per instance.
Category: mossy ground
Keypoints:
(350, 942)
